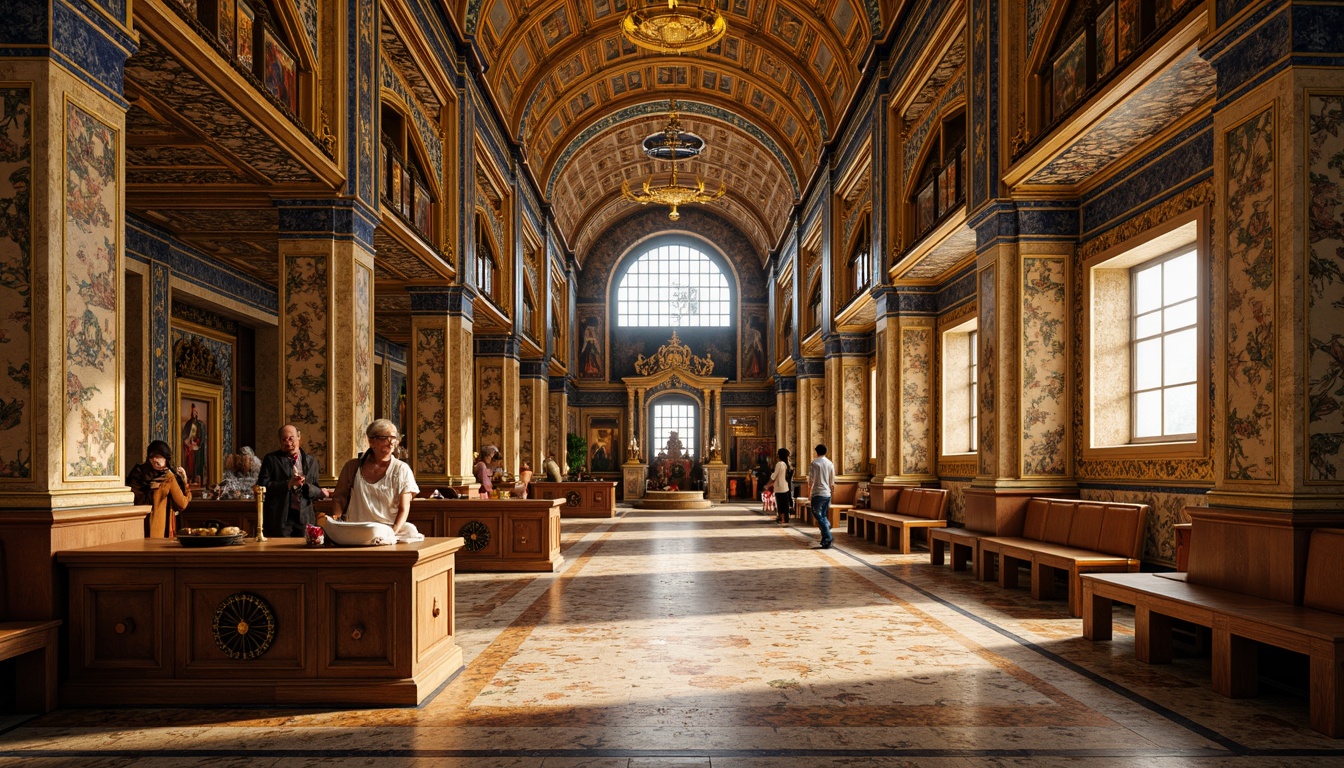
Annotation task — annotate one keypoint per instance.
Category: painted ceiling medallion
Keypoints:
(671, 26)
(672, 144)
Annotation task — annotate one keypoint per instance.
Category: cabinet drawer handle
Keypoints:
(435, 612)
(125, 626)
(357, 633)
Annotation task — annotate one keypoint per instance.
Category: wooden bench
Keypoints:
(1071, 535)
(964, 546)
(33, 646)
(1237, 622)
(916, 508)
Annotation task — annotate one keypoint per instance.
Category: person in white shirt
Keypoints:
(377, 487)
(781, 484)
(821, 474)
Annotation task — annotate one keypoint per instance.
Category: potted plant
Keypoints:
(577, 448)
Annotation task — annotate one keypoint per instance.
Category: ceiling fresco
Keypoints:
(581, 98)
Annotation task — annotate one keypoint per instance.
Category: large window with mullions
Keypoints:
(674, 285)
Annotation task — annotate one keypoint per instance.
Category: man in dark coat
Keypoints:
(290, 478)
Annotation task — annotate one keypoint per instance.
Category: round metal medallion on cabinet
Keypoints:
(477, 535)
(573, 499)
(243, 626)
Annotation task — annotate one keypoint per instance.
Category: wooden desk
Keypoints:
(367, 626)
(588, 498)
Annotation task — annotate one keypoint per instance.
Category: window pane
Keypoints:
(1180, 316)
(1148, 364)
(1148, 289)
(1148, 325)
(1148, 414)
(1180, 358)
(1180, 280)
(1179, 410)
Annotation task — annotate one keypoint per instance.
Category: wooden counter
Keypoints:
(510, 534)
(588, 498)
(368, 626)
(237, 512)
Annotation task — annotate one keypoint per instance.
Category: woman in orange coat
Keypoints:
(154, 484)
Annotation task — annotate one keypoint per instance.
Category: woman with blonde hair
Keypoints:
(377, 487)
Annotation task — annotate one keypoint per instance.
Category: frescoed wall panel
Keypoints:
(91, 296)
(854, 460)
(363, 309)
(429, 365)
(1044, 360)
(489, 405)
(525, 419)
(916, 385)
(305, 342)
(16, 238)
(1249, 287)
(1325, 293)
(988, 321)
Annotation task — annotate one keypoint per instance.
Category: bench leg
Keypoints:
(936, 553)
(1097, 616)
(1327, 688)
(1075, 593)
(988, 561)
(1235, 672)
(850, 528)
(961, 555)
(1152, 636)
(905, 539)
(1008, 571)
(35, 677)
(1042, 582)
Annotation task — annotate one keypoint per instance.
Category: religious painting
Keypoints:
(752, 451)
(499, 17)
(406, 187)
(282, 77)
(247, 19)
(947, 188)
(786, 26)
(198, 438)
(1127, 27)
(604, 444)
(1105, 39)
(1070, 74)
(521, 61)
(227, 23)
(754, 329)
(592, 351)
(422, 208)
(822, 62)
(925, 213)
(571, 70)
(394, 176)
(555, 27)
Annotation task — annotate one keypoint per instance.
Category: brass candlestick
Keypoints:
(260, 492)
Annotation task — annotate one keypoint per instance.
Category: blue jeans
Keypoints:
(821, 510)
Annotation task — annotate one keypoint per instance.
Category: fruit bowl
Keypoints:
(211, 541)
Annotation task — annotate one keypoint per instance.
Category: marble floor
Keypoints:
(719, 638)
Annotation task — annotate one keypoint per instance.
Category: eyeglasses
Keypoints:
(389, 438)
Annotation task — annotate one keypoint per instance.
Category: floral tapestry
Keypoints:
(90, 300)
(428, 361)
(16, 238)
(490, 404)
(854, 461)
(1043, 364)
(988, 301)
(916, 427)
(1250, 287)
(1325, 295)
(363, 351)
(304, 327)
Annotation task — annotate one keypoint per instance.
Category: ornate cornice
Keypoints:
(674, 354)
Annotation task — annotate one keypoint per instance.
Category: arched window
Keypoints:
(673, 285)
(942, 187)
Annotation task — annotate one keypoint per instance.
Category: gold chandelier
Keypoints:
(674, 27)
(672, 144)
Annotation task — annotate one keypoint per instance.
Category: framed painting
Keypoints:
(282, 77)
(925, 215)
(754, 328)
(198, 432)
(604, 444)
(1069, 75)
(1105, 39)
(1127, 28)
(752, 450)
(422, 203)
(247, 19)
(592, 359)
(394, 182)
(947, 188)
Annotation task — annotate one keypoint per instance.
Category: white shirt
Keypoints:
(779, 481)
(821, 474)
(379, 502)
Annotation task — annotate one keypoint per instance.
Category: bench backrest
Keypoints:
(926, 503)
(1325, 563)
(1110, 527)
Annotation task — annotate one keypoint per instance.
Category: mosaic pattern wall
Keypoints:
(16, 239)
(430, 365)
(916, 403)
(303, 329)
(988, 301)
(1044, 358)
(363, 352)
(1166, 509)
(1250, 284)
(855, 459)
(1325, 294)
(489, 405)
(90, 298)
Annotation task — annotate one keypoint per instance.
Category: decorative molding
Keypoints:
(674, 355)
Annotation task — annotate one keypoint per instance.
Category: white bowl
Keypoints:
(347, 534)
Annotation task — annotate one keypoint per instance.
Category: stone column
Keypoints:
(1278, 439)
(496, 396)
(441, 433)
(907, 451)
(847, 388)
(532, 407)
(811, 411)
(557, 405)
(62, 244)
(326, 327)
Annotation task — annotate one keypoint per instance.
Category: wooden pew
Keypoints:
(1237, 621)
(33, 646)
(964, 546)
(1071, 535)
(916, 508)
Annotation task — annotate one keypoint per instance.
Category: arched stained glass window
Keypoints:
(673, 285)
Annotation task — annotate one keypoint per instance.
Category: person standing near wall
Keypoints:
(821, 473)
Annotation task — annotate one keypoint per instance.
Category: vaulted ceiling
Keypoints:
(580, 98)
